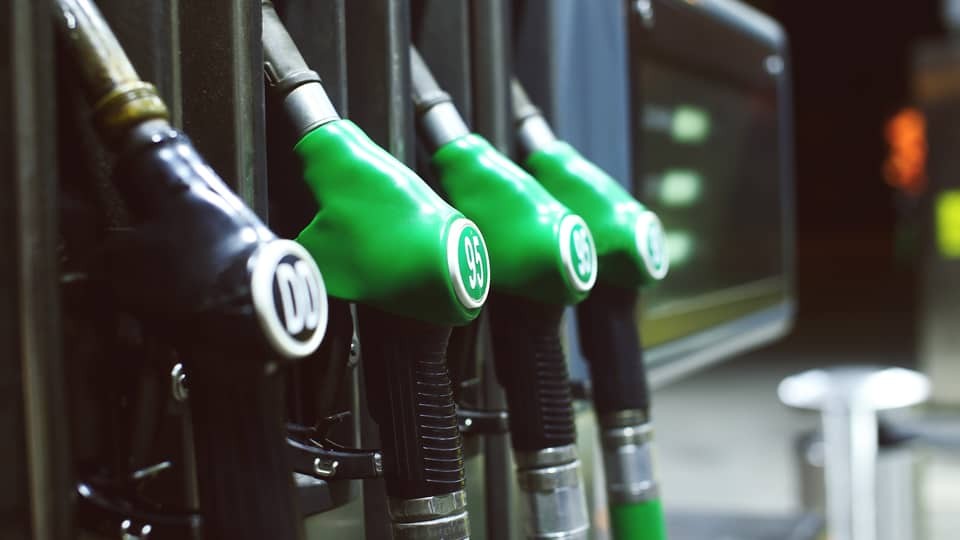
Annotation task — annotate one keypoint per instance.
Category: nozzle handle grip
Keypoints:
(244, 476)
(411, 399)
(531, 367)
(236, 302)
(609, 338)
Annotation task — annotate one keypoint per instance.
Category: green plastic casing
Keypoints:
(380, 236)
(629, 237)
(520, 220)
(638, 521)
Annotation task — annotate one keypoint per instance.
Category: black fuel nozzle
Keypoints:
(204, 271)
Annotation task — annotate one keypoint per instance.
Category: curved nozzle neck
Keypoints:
(290, 78)
(438, 121)
(533, 131)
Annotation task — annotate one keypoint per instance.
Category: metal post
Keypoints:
(29, 283)
(223, 112)
(378, 93)
(150, 34)
(492, 68)
(319, 29)
(848, 399)
(442, 33)
(850, 444)
(378, 41)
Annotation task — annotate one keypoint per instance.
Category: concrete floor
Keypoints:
(725, 443)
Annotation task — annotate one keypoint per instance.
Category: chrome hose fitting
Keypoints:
(552, 485)
(628, 463)
(440, 517)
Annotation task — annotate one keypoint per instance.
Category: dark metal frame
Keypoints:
(39, 497)
(378, 95)
(222, 65)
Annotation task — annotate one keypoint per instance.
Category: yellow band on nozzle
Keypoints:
(126, 105)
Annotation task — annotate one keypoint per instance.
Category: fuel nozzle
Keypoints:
(630, 245)
(202, 270)
(632, 251)
(414, 265)
(545, 259)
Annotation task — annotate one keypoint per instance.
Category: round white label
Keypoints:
(652, 245)
(289, 297)
(468, 263)
(578, 252)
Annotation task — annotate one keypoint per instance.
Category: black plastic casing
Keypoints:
(411, 399)
(531, 367)
(609, 338)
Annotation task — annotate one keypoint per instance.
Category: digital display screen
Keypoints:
(712, 172)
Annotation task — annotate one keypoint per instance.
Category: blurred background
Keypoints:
(860, 284)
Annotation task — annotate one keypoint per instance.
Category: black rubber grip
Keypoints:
(610, 341)
(411, 399)
(531, 367)
(244, 475)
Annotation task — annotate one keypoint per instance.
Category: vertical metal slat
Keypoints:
(378, 40)
(32, 319)
(223, 99)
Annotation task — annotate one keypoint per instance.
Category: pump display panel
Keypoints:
(712, 156)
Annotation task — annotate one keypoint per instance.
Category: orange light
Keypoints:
(906, 166)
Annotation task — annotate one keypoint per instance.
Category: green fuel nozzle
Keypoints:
(542, 250)
(201, 270)
(631, 251)
(414, 265)
(386, 239)
(629, 236)
(545, 259)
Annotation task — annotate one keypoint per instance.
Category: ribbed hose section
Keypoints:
(244, 475)
(411, 399)
(610, 341)
(531, 367)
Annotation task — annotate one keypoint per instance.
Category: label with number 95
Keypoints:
(469, 263)
(578, 252)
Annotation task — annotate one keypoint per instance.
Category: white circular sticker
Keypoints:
(289, 297)
(652, 245)
(468, 263)
(578, 252)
